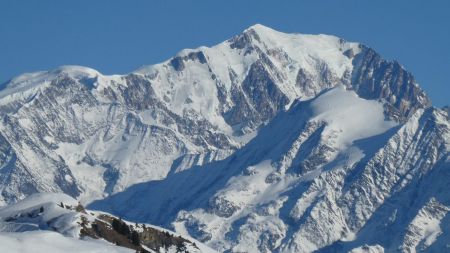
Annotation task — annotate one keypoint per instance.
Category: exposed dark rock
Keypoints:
(178, 62)
(257, 100)
(349, 53)
(447, 110)
(222, 207)
(376, 78)
(134, 237)
(244, 40)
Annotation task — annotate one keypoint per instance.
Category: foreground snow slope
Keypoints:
(52, 222)
(45, 242)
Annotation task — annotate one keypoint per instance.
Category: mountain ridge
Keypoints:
(250, 38)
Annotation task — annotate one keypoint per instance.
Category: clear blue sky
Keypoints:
(120, 36)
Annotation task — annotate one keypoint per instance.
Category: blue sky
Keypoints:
(115, 36)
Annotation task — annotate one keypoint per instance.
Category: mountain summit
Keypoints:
(267, 142)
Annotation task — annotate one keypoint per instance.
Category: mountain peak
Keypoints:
(259, 28)
(76, 70)
(267, 33)
(26, 84)
(71, 70)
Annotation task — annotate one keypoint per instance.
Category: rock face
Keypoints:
(447, 109)
(267, 142)
(376, 78)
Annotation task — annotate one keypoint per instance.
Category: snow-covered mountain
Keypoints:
(327, 170)
(267, 142)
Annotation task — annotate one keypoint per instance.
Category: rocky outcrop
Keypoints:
(376, 78)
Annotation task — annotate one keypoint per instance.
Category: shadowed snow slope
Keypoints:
(296, 188)
(308, 179)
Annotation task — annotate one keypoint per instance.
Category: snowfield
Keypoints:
(354, 118)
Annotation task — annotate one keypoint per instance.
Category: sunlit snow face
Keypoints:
(348, 116)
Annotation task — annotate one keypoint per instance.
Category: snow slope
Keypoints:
(353, 117)
(46, 241)
(30, 226)
(51, 222)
